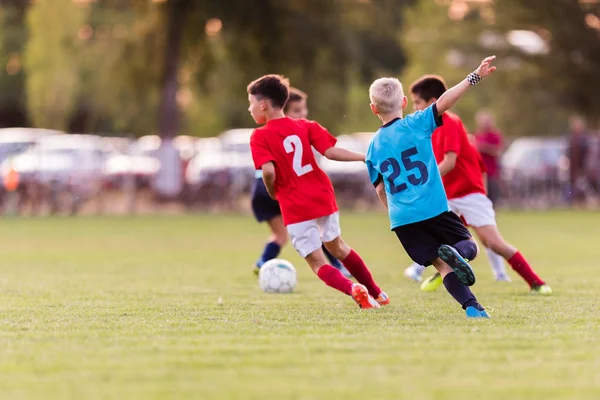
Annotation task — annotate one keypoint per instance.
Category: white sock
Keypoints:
(496, 262)
(419, 269)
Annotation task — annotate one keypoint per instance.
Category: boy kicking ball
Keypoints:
(281, 148)
(403, 169)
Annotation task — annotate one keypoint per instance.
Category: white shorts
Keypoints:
(308, 236)
(476, 209)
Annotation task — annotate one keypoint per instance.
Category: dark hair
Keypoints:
(274, 88)
(295, 95)
(429, 86)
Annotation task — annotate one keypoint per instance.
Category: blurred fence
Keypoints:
(48, 172)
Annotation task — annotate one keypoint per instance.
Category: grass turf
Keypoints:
(166, 307)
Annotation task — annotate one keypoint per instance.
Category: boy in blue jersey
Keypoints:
(267, 210)
(404, 171)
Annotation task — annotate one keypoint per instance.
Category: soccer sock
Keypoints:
(419, 269)
(332, 260)
(521, 267)
(334, 278)
(497, 263)
(467, 249)
(460, 292)
(359, 270)
(271, 251)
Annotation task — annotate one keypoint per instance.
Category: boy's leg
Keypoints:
(354, 263)
(278, 238)
(497, 263)
(306, 239)
(332, 240)
(491, 237)
(266, 209)
(479, 212)
(334, 262)
(461, 293)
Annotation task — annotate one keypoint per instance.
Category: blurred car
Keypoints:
(532, 165)
(14, 141)
(61, 158)
(222, 169)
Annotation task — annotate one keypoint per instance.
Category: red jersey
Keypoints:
(466, 177)
(303, 190)
(492, 162)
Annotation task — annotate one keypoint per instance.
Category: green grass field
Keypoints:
(129, 308)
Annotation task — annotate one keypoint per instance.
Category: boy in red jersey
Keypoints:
(281, 148)
(267, 210)
(459, 165)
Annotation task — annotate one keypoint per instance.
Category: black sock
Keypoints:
(467, 249)
(460, 292)
(334, 262)
(271, 251)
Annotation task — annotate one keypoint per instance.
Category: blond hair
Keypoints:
(387, 95)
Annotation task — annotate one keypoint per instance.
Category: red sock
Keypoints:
(359, 270)
(521, 267)
(334, 278)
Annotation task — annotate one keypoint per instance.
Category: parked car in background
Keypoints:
(222, 170)
(14, 141)
(535, 167)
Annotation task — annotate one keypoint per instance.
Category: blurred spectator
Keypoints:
(489, 142)
(578, 152)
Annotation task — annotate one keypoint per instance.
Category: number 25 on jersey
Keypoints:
(392, 165)
(293, 144)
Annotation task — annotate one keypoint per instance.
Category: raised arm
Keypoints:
(451, 96)
(340, 154)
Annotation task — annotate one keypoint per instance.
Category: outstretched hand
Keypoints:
(486, 68)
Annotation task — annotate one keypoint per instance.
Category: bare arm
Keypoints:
(448, 163)
(451, 96)
(380, 189)
(339, 154)
(268, 171)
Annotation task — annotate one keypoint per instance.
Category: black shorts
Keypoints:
(422, 239)
(263, 206)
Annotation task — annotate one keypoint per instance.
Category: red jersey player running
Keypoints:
(460, 168)
(281, 148)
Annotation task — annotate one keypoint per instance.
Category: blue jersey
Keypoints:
(401, 155)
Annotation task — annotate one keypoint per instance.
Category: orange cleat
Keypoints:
(360, 294)
(383, 299)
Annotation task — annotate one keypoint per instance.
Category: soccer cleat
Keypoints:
(256, 269)
(360, 294)
(459, 265)
(472, 312)
(432, 283)
(543, 289)
(412, 273)
(383, 299)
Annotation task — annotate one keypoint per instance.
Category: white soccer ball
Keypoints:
(277, 276)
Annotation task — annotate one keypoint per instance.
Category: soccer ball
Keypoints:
(277, 276)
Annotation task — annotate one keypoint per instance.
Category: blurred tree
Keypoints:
(534, 89)
(13, 36)
(51, 51)
(570, 67)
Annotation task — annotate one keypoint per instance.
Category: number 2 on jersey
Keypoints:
(293, 144)
(408, 165)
